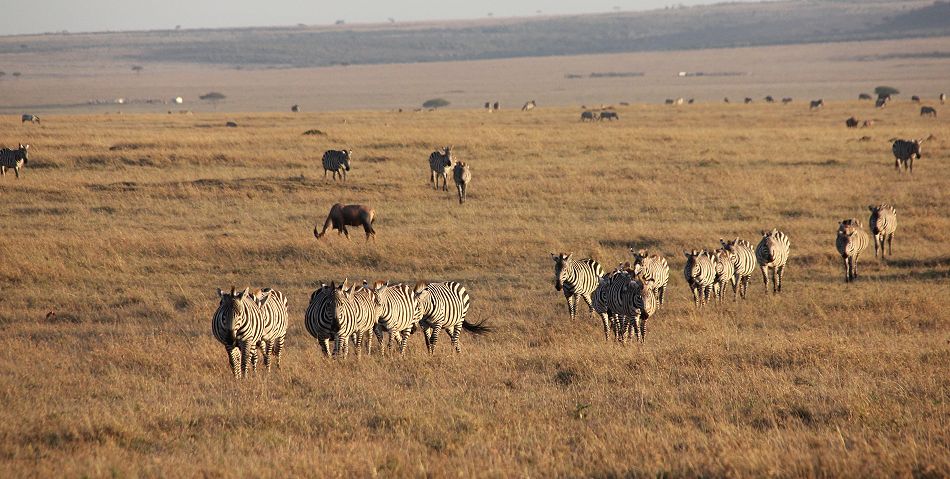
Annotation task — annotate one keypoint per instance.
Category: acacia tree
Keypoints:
(435, 103)
(214, 97)
(886, 91)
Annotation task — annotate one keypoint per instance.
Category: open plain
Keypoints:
(125, 225)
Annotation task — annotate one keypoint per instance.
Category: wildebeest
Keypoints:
(588, 116)
(725, 100)
(496, 106)
(786, 100)
(488, 105)
(529, 106)
(30, 118)
(439, 164)
(691, 101)
(865, 96)
(928, 111)
(609, 115)
(816, 104)
(769, 99)
(350, 215)
(915, 99)
(882, 100)
(851, 122)
(748, 100)
(231, 124)
(337, 161)
(295, 108)
(669, 101)
(462, 176)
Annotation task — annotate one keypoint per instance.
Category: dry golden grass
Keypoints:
(128, 245)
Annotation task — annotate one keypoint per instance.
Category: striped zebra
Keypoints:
(640, 302)
(904, 153)
(725, 269)
(531, 105)
(14, 159)
(608, 300)
(273, 304)
(30, 118)
(816, 104)
(462, 176)
(653, 268)
(444, 306)
(883, 223)
(700, 273)
(241, 325)
(399, 312)
(772, 254)
(851, 242)
(600, 306)
(355, 312)
(576, 278)
(337, 161)
(743, 259)
(319, 317)
(439, 164)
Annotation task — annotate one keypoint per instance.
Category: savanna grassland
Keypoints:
(125, 225)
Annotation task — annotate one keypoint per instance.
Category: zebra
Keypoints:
(639, 304)
(653, 268)
(743, 259)
(399, 312)
(30, 118)
(241, 325)
(609, 115)
(319, 317)
(851, 122)
(444, 306)
(851, 242)
(904, 153)
(772, 252)
(883, 223)
(589, 116)
(488, 106)
(928, 111)
(531, 105)
(14, 159)
(943, 98)
(355, 312)
(786, 100)
(337, 161)
(748, 100)
(700, 274)
(273, 304)
(882, 100)
(295, 109)
(725, 269)
(439, 164)
(462, 176)
(496, 106)
(576, 278)
(608, 300)
(769, 99)
(816, 104)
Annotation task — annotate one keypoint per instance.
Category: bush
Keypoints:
(435, 103)
(886, 90)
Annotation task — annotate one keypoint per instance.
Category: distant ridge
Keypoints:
(717, 26)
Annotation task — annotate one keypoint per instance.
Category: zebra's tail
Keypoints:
(474, 328)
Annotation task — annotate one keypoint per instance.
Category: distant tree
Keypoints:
(886, 90)
(214, 97)
(435, 103)
(340, 22)
(137, 68)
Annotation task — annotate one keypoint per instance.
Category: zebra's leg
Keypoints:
(572, 306)
(403, 340)
(433, 338)
(765, 277)
(445, 182)
(278, 349)
(265, 348)
(779, 272)
(662, 291)
(590, 304)
(456, 334)
(890, 245)
(324, 345)
(643, 328)
(910, 163)
(245, 352)
(325, 174)
(16, 169)
(847, 269)
(3, 171)
(234, 358)
(339, 345)
(854, 265)
(695, 292)
(604, 318)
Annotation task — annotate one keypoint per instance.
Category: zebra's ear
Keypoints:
(420, 286)
(220, 293)
(346, 283)
(244, 293)
(569, 255)
(871, 207)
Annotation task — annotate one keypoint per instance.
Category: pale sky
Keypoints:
(35, 16)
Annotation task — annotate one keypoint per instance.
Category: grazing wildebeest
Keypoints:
(748, 100)
(865, 96)
(691, 101)
(496, 106)
(915, 99)
(588, 116)
(609, 115)
(488, 105)
(350, 215)
(669, 101)
(462, 176)
(30, 118)
(337, 161)
(231, 124)
(439, 164)
(851, 122)
(786, 100)
(529, 106)
(769, 99)
(816, 104)
(928, 111)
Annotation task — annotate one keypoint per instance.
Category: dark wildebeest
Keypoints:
(865, 96)
(882, 100)
(231, 124)
(496, 106)
(851, 122)
(915, 99)
(350, 215)
(725, 100)
(609, 115)
(30, 118)
(588, 116)
(816, 104)
(928, 111)
(769, 99)
(786, 100)
(488, 105)
(295, 108)
(462, 176)
(669, 101)
(748, 100)
(691, 101)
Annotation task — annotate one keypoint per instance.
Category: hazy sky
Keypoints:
(33, 16)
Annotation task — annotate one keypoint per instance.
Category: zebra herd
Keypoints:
(255, 324)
